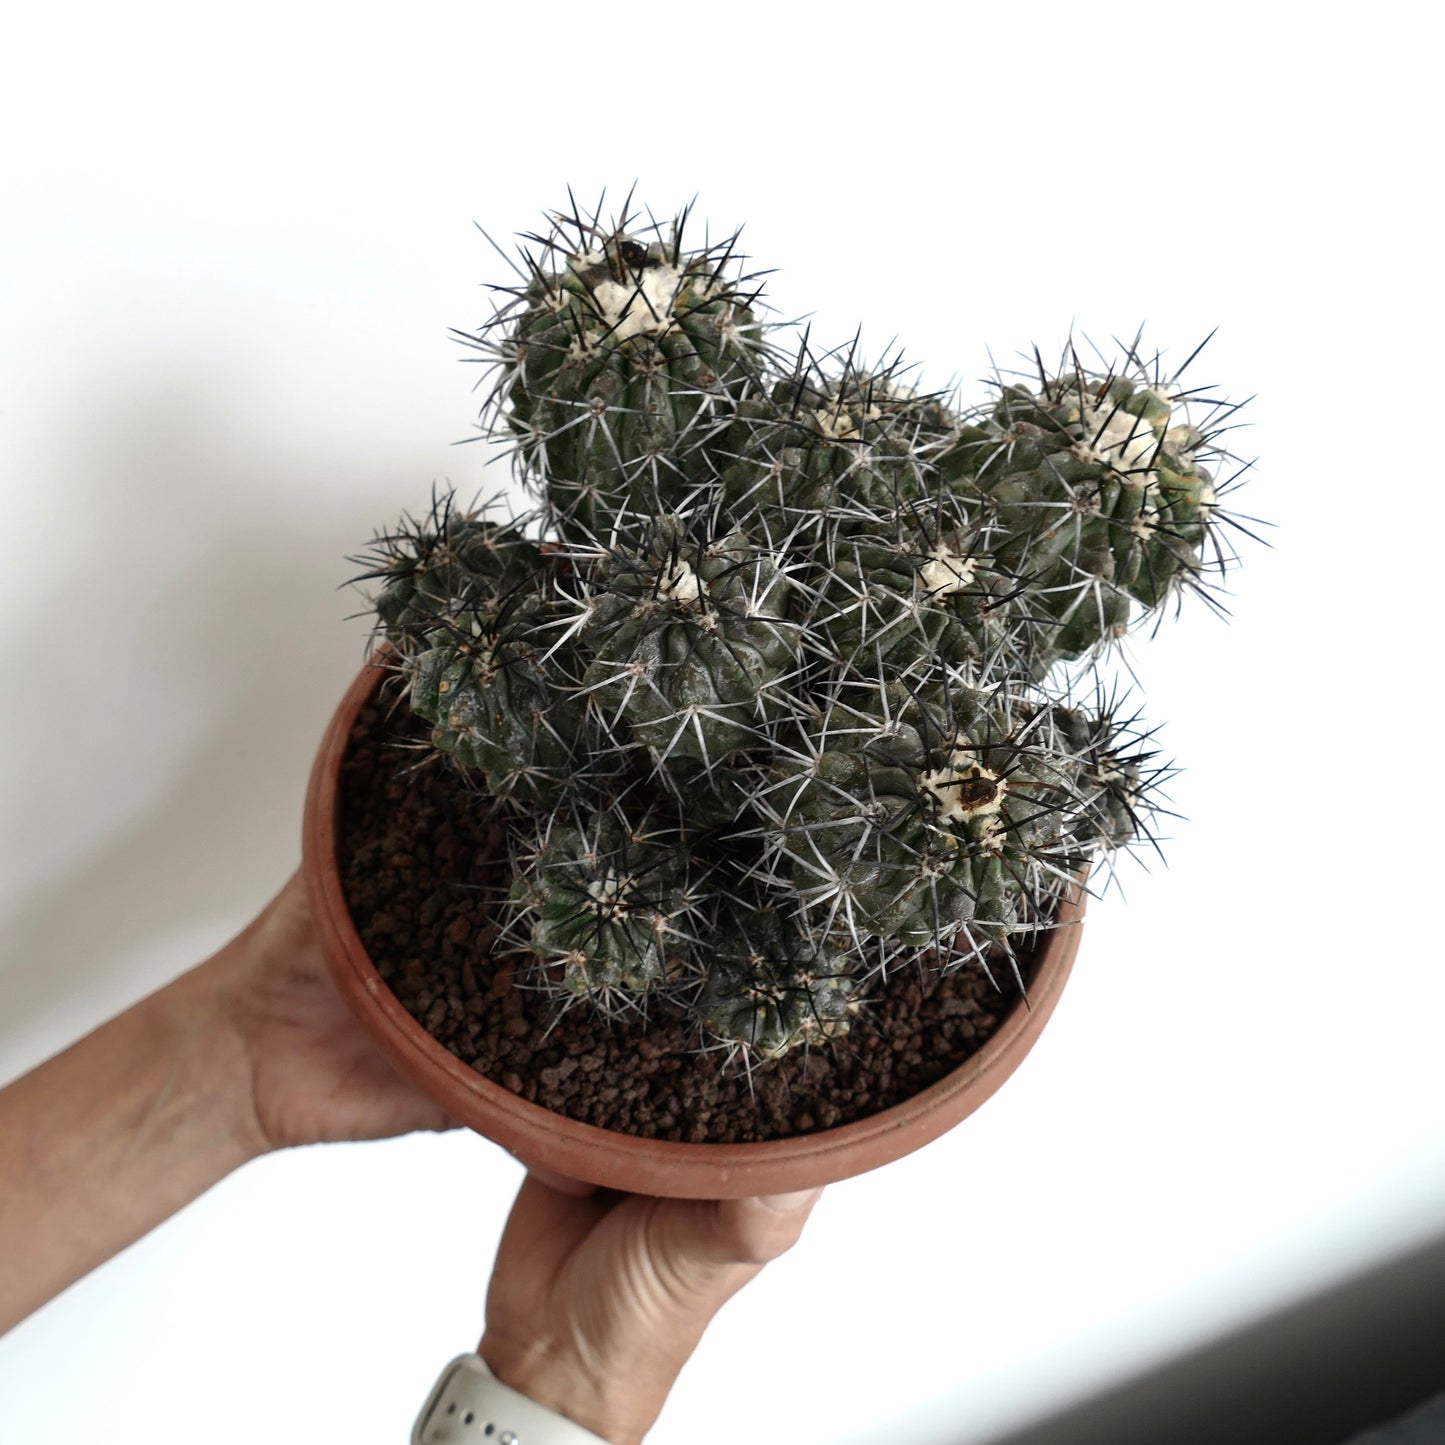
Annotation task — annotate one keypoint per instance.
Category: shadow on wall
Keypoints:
(201, 596)
(1316, 1374)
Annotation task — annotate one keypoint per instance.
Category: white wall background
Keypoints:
(233, 240)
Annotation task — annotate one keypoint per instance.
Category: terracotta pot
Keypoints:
(620, 1161)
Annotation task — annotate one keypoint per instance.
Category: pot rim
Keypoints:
(548, 1140)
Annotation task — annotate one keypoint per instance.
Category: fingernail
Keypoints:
(787, 1203)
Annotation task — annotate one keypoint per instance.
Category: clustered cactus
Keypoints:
(790, 677)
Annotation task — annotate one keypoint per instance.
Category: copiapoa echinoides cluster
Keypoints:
(790, 677)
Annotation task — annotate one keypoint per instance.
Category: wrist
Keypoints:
(214, 1059)
(469, 1401)
(556, 1378)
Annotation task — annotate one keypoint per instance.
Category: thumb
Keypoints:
(757, 1230)
(728, 1232)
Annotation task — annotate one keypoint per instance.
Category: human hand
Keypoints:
(315, 1075)
(252, 1050)
(598, 1299)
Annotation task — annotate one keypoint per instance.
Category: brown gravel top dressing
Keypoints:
(422, 863)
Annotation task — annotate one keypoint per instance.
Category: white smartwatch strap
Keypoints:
(469, 1403)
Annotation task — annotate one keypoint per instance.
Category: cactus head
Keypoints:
(1102, 493)
(600, 896)
(618, 358)
(914, 812)
(690, 639)
(768, 989)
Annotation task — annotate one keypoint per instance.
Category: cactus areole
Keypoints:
(791, 677)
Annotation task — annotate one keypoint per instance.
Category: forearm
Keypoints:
(104, 1141)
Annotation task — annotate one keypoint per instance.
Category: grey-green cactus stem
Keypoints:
(852, 451)
(495, 709)
(690, 641)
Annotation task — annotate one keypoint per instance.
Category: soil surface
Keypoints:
(423, 862)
